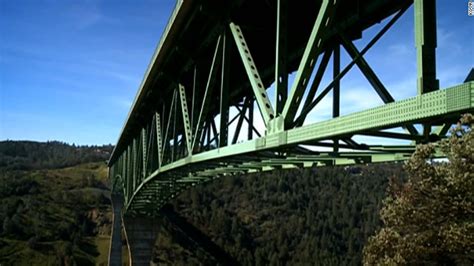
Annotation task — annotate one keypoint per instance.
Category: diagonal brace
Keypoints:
(366, 70)
(313, 48)
(263, 101)
(316, 82)
(207, 93)
(186, 121)
(371, 76)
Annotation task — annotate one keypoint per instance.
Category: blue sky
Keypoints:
(69, 70)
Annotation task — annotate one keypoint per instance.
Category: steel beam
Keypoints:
(425, 40)
(367, 70)
(159, 140)
(336, 90)
(315, 85)
(241, 120)
(393, 135)
(207, 93)
(313, 48)
(186, 122)
(135, 163)
(250, 119)
(144, 154)
(174, 150)
(168, 125)
(195, 150)
(325, 91)
(429, 106)
(224, 94)
(281, 56)
(263, 102)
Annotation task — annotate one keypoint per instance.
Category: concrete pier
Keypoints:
(115, 254)
(141, 234)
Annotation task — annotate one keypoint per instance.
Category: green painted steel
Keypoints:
(224, 94)
(417, 109)
(208, 91)
(260, 93)
(308, 62)
(425, 39)
(281, 56)
(187, 123)
(178, 133)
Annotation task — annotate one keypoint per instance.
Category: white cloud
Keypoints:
(404, 87)
(448, 40)
(401, 49)
(84, 14)
(121, 103)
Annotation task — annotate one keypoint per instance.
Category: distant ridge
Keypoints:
(28, 155)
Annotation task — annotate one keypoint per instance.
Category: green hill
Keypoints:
(28, 155)
(53, 216)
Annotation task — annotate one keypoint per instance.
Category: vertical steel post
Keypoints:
(175, 137)
(159, 141)
(134, 175)
(224, 96)
(208, 144)
(250, 126)
(194, 97)
(240, 121)
(425, 39)
(281, 73)
(336, 90)
(214, 131)
(124, 173)
(203, 137)
(134, 162)
(144, 152)
(128, 177)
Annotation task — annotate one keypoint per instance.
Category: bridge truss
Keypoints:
(194, 118)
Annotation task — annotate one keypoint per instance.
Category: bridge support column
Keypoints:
(115, 254)
(141, 234)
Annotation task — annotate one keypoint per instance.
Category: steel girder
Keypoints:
(179, 132)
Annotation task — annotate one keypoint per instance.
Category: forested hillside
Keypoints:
(62, 215)
(285, 217)
(53, 215)
(27, 155)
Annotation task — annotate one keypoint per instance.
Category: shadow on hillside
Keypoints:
(193, 234)
(89, 248)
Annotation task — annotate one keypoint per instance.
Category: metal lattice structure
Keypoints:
(193, 119)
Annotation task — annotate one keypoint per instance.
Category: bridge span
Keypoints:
(217, 98)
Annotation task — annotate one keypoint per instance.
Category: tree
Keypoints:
(32, 242)
(430, 218)
(8, 226)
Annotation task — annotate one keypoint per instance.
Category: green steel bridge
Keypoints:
(215, 56)
(203, 109)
